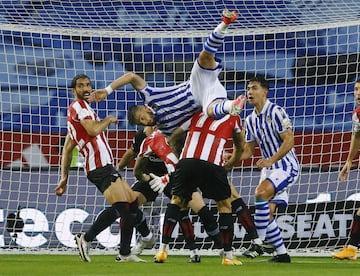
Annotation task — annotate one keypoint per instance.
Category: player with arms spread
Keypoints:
(168, 107)
(86, 133)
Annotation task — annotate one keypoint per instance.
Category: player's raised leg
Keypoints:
(220, 106)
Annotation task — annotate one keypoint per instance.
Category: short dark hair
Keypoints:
(131, 114)
(261, 80)
(75, 79)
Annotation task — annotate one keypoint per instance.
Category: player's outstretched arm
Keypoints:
(344, 171)
(132, 78)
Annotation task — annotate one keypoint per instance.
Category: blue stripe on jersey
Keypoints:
(172, 105)
(265, 129)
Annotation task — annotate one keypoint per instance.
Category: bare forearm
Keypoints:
(129, 78)
(248, 151)
(66, 158)
(94, 128)
(128, 156)
(139, 167)
(354, 146)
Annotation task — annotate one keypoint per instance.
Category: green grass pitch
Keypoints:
(68, 265)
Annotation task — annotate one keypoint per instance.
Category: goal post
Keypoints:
(308, 50)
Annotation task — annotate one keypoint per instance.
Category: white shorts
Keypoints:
(281, 180)
(205, 85)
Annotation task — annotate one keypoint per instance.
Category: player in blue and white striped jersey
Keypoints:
(168, 107)
(269, 127)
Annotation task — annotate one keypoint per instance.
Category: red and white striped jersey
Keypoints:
(206, 137)
(356, 119)
(156, 143)
(95, 150)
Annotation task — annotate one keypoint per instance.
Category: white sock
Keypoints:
(221, 29)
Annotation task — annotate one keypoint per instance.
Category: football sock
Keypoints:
(126, 231)
(214, 41)
(355, 231)
(104, 220)
(143, 228)
(172, 216)
(211, 226)
(262, 216)
(187, 229)
(243, 215)
(221, 108)
(226, 225)
(273, 236)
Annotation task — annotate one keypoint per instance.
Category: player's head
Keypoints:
(257, 90)
(141, 115)
(357, 91)
(261, 81)
(81, 86)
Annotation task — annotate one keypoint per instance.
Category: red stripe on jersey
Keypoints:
(207, 137)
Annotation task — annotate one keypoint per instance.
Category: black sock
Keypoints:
(243, 215)
(131, 219)
(172, 216)
(187, 229)
(126, 231)
(139, 219)
(143, 228)
(211, 226)
(226, 224)
(355, 231)
(104, 220)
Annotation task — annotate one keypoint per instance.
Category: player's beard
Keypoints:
(83, 96)
(153, 123)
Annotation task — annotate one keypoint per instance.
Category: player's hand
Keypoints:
(264, 163)
(61, 187)
(344, 171)
(158, 183)
(112, 119)
(97, 96)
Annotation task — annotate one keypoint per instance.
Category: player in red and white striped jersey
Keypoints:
(95, 149)
(86, 132)
(155, 145)
(206, 138)
(201, 165)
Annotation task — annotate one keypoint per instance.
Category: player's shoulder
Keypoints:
(356, 114)
(357, 110)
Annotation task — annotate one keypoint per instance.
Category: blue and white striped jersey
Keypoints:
(172, 105)
(265, 129)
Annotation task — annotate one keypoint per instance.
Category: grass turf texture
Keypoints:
(68, 265)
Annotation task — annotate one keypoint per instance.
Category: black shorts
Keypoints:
(103, 177)
(191, 174)
(145, 189)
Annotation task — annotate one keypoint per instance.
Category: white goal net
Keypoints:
(307, 49)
